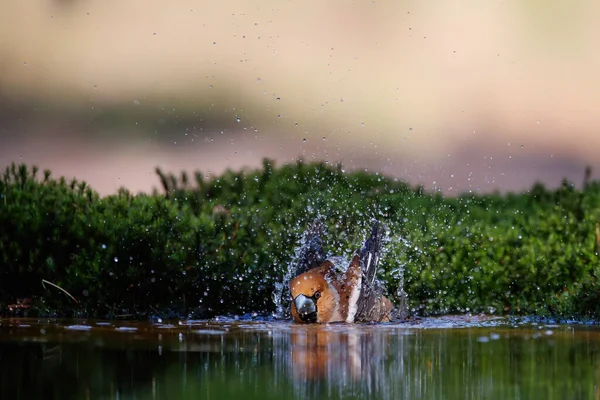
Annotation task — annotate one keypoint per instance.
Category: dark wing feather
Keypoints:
(310, 253)
(369, 254)
(370, 294)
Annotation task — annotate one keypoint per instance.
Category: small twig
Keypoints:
(59, 288)
(587, 176)
(237, 227)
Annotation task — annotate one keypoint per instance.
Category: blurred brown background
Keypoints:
(456, 95)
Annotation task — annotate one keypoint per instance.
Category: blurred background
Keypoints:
(455, 95)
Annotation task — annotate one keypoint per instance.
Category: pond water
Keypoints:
(433, 358)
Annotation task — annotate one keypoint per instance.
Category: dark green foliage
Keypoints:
(220, 245)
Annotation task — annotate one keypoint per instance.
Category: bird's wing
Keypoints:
(310, 254)
(370, 295)
(369, 254)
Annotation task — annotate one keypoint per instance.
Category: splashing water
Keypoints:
(308, 251)
(398, 276)
(280, 295)
(397, 271)
(277, 296)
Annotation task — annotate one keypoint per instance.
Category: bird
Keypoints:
(323, 293)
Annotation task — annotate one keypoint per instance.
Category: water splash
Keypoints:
(397, 273)
(281, 296)
(402, 303)
(308, 253)
(278, 295)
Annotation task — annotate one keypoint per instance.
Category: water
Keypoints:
(442, 358)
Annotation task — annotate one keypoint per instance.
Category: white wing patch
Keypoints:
(375, 273)
(353, 301)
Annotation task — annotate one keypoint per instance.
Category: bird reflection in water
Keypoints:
(343, 356)
(319, 353)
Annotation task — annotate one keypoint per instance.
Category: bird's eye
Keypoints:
(317, 295)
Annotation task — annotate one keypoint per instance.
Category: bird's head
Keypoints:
(315, 299)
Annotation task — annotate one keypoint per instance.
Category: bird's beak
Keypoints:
(306, 308)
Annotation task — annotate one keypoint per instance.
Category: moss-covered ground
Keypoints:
(203, 247)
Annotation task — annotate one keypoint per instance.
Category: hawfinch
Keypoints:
(323, 293)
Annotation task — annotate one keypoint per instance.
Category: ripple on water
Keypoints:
(126, 328)
(78, 327)
(209, 332)
(166, 326)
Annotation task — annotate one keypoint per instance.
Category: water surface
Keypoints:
(442, 358)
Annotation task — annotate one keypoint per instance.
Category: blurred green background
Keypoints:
(454, 95)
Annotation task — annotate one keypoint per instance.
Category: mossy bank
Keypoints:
(205, 247)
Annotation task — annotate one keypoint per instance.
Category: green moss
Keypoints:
(219, 246)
